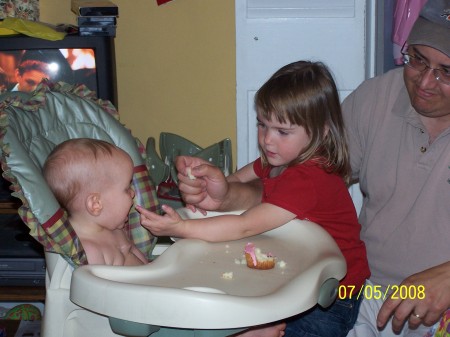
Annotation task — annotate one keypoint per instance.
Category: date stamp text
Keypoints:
(376, 292)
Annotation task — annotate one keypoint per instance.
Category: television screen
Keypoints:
(89, 60)
(25, 60)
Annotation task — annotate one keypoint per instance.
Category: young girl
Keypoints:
(304, 168)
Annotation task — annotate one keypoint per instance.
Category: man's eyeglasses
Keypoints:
(417, 63)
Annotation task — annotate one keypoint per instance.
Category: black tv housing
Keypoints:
(103, 47)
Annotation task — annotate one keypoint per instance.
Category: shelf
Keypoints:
(8, 207)
(22, 294)
(17, 293)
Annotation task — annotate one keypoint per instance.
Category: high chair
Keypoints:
(192, 287)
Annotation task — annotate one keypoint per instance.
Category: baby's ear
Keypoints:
(94, 204)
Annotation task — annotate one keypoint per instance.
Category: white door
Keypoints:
(272, 33)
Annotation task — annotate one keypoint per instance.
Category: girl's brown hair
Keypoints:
(304, 93)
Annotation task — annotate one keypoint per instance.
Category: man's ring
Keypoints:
(415, 315)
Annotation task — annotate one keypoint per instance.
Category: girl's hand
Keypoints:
(169, 224)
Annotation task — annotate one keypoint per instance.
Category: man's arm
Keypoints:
(210, 189)
(242, 196)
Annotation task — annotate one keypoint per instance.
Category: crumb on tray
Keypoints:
(281, 264)
(227, 275)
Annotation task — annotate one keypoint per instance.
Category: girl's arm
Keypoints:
(256, 220)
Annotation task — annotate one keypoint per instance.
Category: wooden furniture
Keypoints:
(18, 293)
(8, 207)
(22, 294)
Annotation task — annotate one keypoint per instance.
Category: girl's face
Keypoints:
(281, 142)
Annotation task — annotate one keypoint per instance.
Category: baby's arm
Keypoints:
(134, 257)
(136, 252)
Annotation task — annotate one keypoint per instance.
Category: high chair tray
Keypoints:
(200, 285)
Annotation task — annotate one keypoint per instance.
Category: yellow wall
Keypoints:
(175, 66)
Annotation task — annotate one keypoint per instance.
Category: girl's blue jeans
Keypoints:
(335, 321)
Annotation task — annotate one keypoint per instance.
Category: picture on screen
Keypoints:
(23, 70)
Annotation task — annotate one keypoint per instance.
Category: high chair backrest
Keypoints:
(172, 145)
(31, 125)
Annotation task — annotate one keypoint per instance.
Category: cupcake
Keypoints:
(256, 259)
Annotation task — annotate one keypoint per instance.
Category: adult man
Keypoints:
(35, 65)
(399, 136)
(399, 139)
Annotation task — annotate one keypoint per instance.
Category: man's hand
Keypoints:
(425, 310)
(208, 191)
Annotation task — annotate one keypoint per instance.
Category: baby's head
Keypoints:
(304, 93)
(81, 166)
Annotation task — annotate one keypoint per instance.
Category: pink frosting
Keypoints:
(250, 249)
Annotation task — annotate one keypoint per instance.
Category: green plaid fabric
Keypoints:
(54, 232)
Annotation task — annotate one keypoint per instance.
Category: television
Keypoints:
(88, 60)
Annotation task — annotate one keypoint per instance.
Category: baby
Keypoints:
(91, 179)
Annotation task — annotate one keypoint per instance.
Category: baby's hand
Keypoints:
(169, 224)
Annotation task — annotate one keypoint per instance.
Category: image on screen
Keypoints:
(23, 70)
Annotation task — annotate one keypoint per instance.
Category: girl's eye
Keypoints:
(260, 125)
(282, 132)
